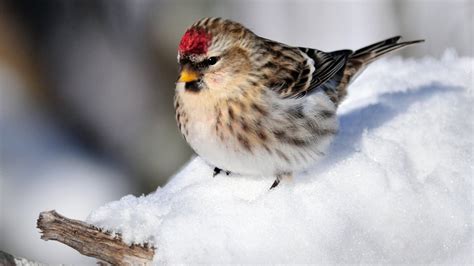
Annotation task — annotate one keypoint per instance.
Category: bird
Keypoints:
(252, 106)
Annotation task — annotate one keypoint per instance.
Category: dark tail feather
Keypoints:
(377, 45)
(357, 61)
(372, 52)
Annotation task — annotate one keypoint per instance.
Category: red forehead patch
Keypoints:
(194, 41)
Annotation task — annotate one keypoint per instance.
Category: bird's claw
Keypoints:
(275, 183)
(218, 171)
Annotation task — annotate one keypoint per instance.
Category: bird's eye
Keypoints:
(212, 60)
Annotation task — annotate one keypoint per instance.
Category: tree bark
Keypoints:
(91, 241)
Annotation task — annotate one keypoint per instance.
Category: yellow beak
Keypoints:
(187, 76)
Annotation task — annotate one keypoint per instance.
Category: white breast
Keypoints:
(228, 155)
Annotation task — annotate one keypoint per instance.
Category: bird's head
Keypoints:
(212, 53)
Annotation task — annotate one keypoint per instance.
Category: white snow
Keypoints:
(395, 187)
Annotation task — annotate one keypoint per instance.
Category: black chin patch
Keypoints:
(192, 86)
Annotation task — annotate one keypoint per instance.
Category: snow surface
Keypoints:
(395, 187)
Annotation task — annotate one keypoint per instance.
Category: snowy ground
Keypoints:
(396, 186)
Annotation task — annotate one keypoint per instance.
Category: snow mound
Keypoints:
(395, 187)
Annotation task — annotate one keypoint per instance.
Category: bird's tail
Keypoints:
(370, 53)
(358, 61)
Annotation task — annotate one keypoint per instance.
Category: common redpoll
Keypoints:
(253, 106)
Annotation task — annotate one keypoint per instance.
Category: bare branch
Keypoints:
(91, 241)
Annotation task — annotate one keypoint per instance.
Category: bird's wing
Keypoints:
(302, 70)
(328, 66)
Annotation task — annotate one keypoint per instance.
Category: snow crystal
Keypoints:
(395, 187)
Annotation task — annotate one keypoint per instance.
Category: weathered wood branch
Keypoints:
(91, 241)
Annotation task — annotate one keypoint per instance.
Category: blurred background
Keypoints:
(86, 88)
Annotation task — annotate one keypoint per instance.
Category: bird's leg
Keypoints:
(279, 177)
(276, 182)
(217, 171)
